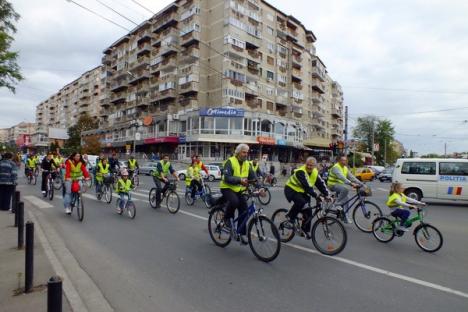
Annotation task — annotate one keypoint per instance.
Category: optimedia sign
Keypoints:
(222, 112)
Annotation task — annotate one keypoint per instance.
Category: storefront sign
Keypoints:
(266, 140)
(280, 142)
(182, 139)
(171, 139)
(222, 112)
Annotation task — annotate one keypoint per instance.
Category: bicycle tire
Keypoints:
(152, 198)
(332, 230)
(136, 181)
(206, 195)
(367, 220)
(218, 233)
(172, 207)
(29, 179)
(107, 193)
(58, 183)
(265, 200)
(80, 208)
(72, 202)
(130, 210)
(34, 179)
(257, 232)
(425, 236)
(279, 219)
(188, 198)
(51, 190)
(383, 226)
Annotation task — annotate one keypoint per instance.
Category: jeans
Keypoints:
(403, 214)
(195, 185)
(6, 194)
(236, 200)
(299, 200)
(67, 197)
(342, 192)
(122, 200)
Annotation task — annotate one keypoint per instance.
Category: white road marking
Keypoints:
(39, 203)
(193, 215)
(382, 189)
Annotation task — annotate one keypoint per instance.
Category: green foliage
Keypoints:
(9, 69)
(84, 123)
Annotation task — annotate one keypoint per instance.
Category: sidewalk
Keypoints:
(12, 263)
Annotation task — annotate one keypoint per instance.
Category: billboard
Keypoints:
(58, 133)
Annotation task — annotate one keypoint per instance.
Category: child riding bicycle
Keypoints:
(397, 201)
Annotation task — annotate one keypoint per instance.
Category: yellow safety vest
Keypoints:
(165, 169)
(192, 173)
(58, 161)
(255, 167)
(124, 186)
(31, 163)
(132, 164)
(391, 201)
(75, 171)
(333, 179)
(238, 171)
(294, 183)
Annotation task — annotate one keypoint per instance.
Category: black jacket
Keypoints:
(319, 183)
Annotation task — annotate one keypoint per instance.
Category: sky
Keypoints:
(403, 60)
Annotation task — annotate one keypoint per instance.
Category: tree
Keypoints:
(9, 69)
(92, 145)
(84, 123)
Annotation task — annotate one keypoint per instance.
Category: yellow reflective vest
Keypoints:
(333, 179)
(391, 201)
(294, 183)
(237, 171)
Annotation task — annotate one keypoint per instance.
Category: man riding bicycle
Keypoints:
(132, 165)
(299, 187)
(163, 169)
(124, 186)
(338, 176)
(114, 164)
(74, 170)
(102, 169)
(237, 174)
(30, 164)
(47, 166)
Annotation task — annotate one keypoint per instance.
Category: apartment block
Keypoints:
(200, 77)
(63, 109)
(4, 135)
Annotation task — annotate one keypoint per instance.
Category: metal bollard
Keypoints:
(29, 257)
(14, 207)
(20, 213)
(54, 294)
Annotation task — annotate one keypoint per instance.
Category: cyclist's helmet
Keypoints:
(124, 172)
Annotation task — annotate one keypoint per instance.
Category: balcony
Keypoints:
(336, 132)
(165, 95)
(189, 88)
(188, 102)
(318, 73)
(145, 36)
(336, 113)
(190, 55)
(253, 103)
(84, 104)
(118, 98)
(254, 54)
(168, 49)
(168, 64)
(142, 101)
(139, 76)
(282, 101)
(297, 85)
(190, 38)
(104, 103)
(296, 75)
(144, 49)
(165, 21)
(251, 89)
(106, 60)
(141, 62)
(119, 85)
(318, 86)
(252, 67)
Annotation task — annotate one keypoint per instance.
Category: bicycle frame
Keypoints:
(355, 199)
(251, 211)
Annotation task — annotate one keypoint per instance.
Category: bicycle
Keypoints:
(58, 180)
(203, 194)
(327, 233)
(385, 229)
(364, 211)
(257, 224)
(49, 186)
(105, 189)
(77, 200)
(32, 178)
(129, 206)
(264, 200)
(36, 171)
(135, 179)
(270, 179)
(169, 194)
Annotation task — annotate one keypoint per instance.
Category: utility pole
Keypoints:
(346, 131)
(372, 142)
(445, 150)
(385, 151)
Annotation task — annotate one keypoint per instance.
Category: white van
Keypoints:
(438, 178)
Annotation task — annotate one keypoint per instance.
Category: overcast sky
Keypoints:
(394, 59)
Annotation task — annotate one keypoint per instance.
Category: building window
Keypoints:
(270, 31)
(270, 75)
(222, 125)
(270, 17)
(270, 106)
(270, 60)
(234, 41)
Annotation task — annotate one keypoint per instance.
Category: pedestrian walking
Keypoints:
(8, 177)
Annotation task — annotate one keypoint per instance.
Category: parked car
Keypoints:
(386, 175)
(219, 164)
(148, 168)
(377, 169)
(214, 173)
(365, 174)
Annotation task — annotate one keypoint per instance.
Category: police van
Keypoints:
(437, 178)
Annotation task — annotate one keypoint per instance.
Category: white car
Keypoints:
(214, 173)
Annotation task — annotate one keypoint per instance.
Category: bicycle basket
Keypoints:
(108, 179)
(214, 199)
(172, 186)
(365, 191)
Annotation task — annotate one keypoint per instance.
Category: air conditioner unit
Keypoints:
(175, 116)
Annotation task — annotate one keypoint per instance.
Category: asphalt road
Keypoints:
(165, 262)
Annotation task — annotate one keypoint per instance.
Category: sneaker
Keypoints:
(68, 210)
(44, 193)
(119, 210)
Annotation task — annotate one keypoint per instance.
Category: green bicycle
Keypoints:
(427, 236)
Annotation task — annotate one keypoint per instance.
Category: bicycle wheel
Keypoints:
(152, 198)
(51, 190)
(265, 200)
(285, 229)
(264, 239)
(206, 195)
(136, 181)
(172, 202)
(329, 236)
(188, 198)
(29, 178)
(364, 216)
(80, 208)
(428, 238)
(34, 179)
(274, 181)
(57, 183)
(220, 235)
(130, 209)
(117, 206)
(383, 229)
(107, 193)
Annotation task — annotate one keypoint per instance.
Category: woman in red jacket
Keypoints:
(75, 168)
